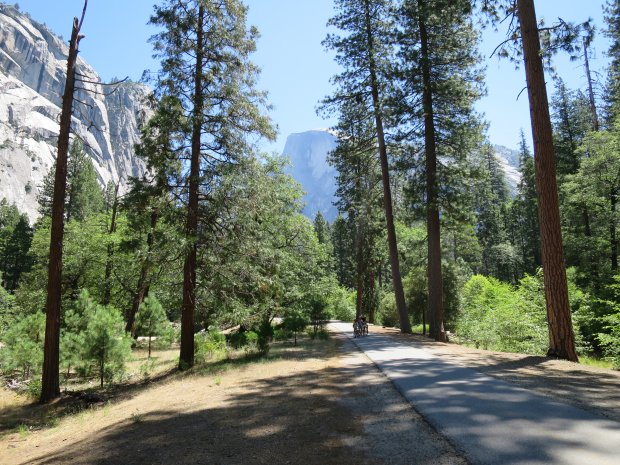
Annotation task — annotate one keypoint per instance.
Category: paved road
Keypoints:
(490, 421)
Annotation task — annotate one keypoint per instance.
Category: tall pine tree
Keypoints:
(364, 50)
(360, 197)
(612, 94)
(84, 195)
(524, 213)
(205, 49)
(440, 82)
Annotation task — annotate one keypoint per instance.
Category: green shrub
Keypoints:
(281, 334)
(243, 339)
(72, 342)
(237, 339)
(341, 307)
(9, 311)
(495, 316)
(294, 322)
(611, 341)
(317, 303)
(388, 315)
(151, 320)
(416, 295)
(210, 345)
(23, 348)
(609, 336)
(251, 338)
(34, 389)
(416, 292)
(322, 334)
(166, 337)
(105, 342)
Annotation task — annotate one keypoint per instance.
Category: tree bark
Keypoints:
(373, 303)
(102, 367)
(191, 228)
(435, 279)
(50, 383)
(595, 121)
(143, 280)
(359, 245)
(108, 266)
(405, 325)
(561, 337)
(359, 274)
(613, 239)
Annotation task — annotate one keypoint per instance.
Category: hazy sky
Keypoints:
(296, 68)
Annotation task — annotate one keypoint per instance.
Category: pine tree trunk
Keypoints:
(592, 266)
(561, 337)
(50, 388)
(143, 280)
(108, 266)
(595, 121)
(405, 325)
(359, 246)
(435, 286)
(191, 228)
(595, 127)
(373, 303)
(359, 278)
(613, 239)
(102, 367)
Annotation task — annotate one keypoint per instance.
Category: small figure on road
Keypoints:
(364, 325)
(356, 327)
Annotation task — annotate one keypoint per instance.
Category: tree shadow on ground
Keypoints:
(331, 416)
(283, 420)
(593, 389)
(38, 416)
(493, 422)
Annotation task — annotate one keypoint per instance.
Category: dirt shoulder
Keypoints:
(321, 403)
(593, 389)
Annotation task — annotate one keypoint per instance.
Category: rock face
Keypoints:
(32, 77)
(509, 161)
(308, 153)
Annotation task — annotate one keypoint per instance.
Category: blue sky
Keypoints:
(296, 68)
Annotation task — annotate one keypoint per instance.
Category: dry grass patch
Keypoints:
(318, 403)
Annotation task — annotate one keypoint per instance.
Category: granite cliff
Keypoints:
(308, 152)
(32, 77)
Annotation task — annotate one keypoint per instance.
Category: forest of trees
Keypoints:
(428, 239)
(535, 271)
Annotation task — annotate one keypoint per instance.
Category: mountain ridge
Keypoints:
(309, 150)
(32, 78)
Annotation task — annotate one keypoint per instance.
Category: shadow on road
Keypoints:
(493, 421)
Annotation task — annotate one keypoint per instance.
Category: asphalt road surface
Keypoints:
(490, 421)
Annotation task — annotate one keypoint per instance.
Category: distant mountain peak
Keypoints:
(308, 152)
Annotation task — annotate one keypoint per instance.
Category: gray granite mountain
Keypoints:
(308, 152)
(32, 77)
(509, 161)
